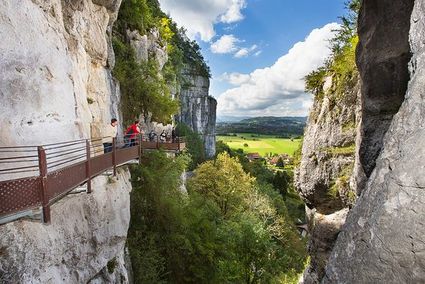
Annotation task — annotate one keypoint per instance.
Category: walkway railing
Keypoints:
(37, 176)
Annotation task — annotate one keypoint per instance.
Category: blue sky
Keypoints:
(247, 44)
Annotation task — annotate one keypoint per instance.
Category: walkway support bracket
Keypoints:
(114, 155)
(88, 168)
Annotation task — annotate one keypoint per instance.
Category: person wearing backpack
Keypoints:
(131, 133)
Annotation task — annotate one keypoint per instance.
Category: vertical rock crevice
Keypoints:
(383, 54)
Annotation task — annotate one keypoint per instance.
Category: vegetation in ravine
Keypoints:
(341, 66)
(194, 145)
(230, 227)
(145, 89)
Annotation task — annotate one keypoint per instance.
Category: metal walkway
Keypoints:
(34, 177)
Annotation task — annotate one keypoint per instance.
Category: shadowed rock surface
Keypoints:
(383, 239)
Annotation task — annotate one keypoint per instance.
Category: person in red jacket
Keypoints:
(131, 134)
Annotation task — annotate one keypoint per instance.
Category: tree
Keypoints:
(224, 181)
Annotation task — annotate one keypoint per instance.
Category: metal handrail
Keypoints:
(70, 167)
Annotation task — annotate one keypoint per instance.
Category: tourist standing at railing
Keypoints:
(173, 135)
(110, 133)
(131, 134)
(163, 136)
(152, 136)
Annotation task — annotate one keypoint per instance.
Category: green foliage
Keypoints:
(341, 151)
(341, 66)
(111, 265)
(314, 82)
(298, 154)
(224, 181)
(194, 144)
(227, 229)
(145, 88)
(281, 181)
(156, 214)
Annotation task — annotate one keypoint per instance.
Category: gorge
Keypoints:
(212, 216)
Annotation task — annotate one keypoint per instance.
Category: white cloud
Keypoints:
(225, 44)
(234, 14)
(258, 53)
(199, 17)
(235, 78)
(279, 89)
(244, 52)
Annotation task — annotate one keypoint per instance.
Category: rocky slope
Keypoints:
(323, 177)
(382, 239)
(56, 85)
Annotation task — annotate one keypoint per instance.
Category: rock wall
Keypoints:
(198, 109)
(383, 239)
(324, 177)
(85, 240)
(56, 85)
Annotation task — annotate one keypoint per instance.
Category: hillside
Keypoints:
(269, 125)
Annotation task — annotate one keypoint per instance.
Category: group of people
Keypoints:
(131, 134)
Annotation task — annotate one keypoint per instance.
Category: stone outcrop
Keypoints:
(383, 239)
(198, 109)
(55, 70)
(56, 85)
(85, 239)
(324, 177)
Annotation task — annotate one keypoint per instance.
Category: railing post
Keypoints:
(88, 169)
(157, 142)
(42, 164)
(114, 155)
(140, 148)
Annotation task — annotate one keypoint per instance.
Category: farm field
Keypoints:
(261, 144)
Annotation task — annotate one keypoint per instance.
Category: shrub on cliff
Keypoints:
(341, 65)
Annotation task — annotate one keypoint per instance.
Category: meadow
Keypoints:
(262, 144)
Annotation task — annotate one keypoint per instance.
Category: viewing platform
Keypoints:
(34, 177)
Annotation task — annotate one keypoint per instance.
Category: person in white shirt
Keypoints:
(110, 133)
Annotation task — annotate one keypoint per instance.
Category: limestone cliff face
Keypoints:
(86, 237)
(56, 85)
(198, 109)
(383, 239)
(324, 176)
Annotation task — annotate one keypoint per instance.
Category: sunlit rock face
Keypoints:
(325, 177)
(55, 58)
(198, 109)
(56, 85)
(383, 239)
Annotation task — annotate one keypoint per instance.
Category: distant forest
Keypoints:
(280, 126)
